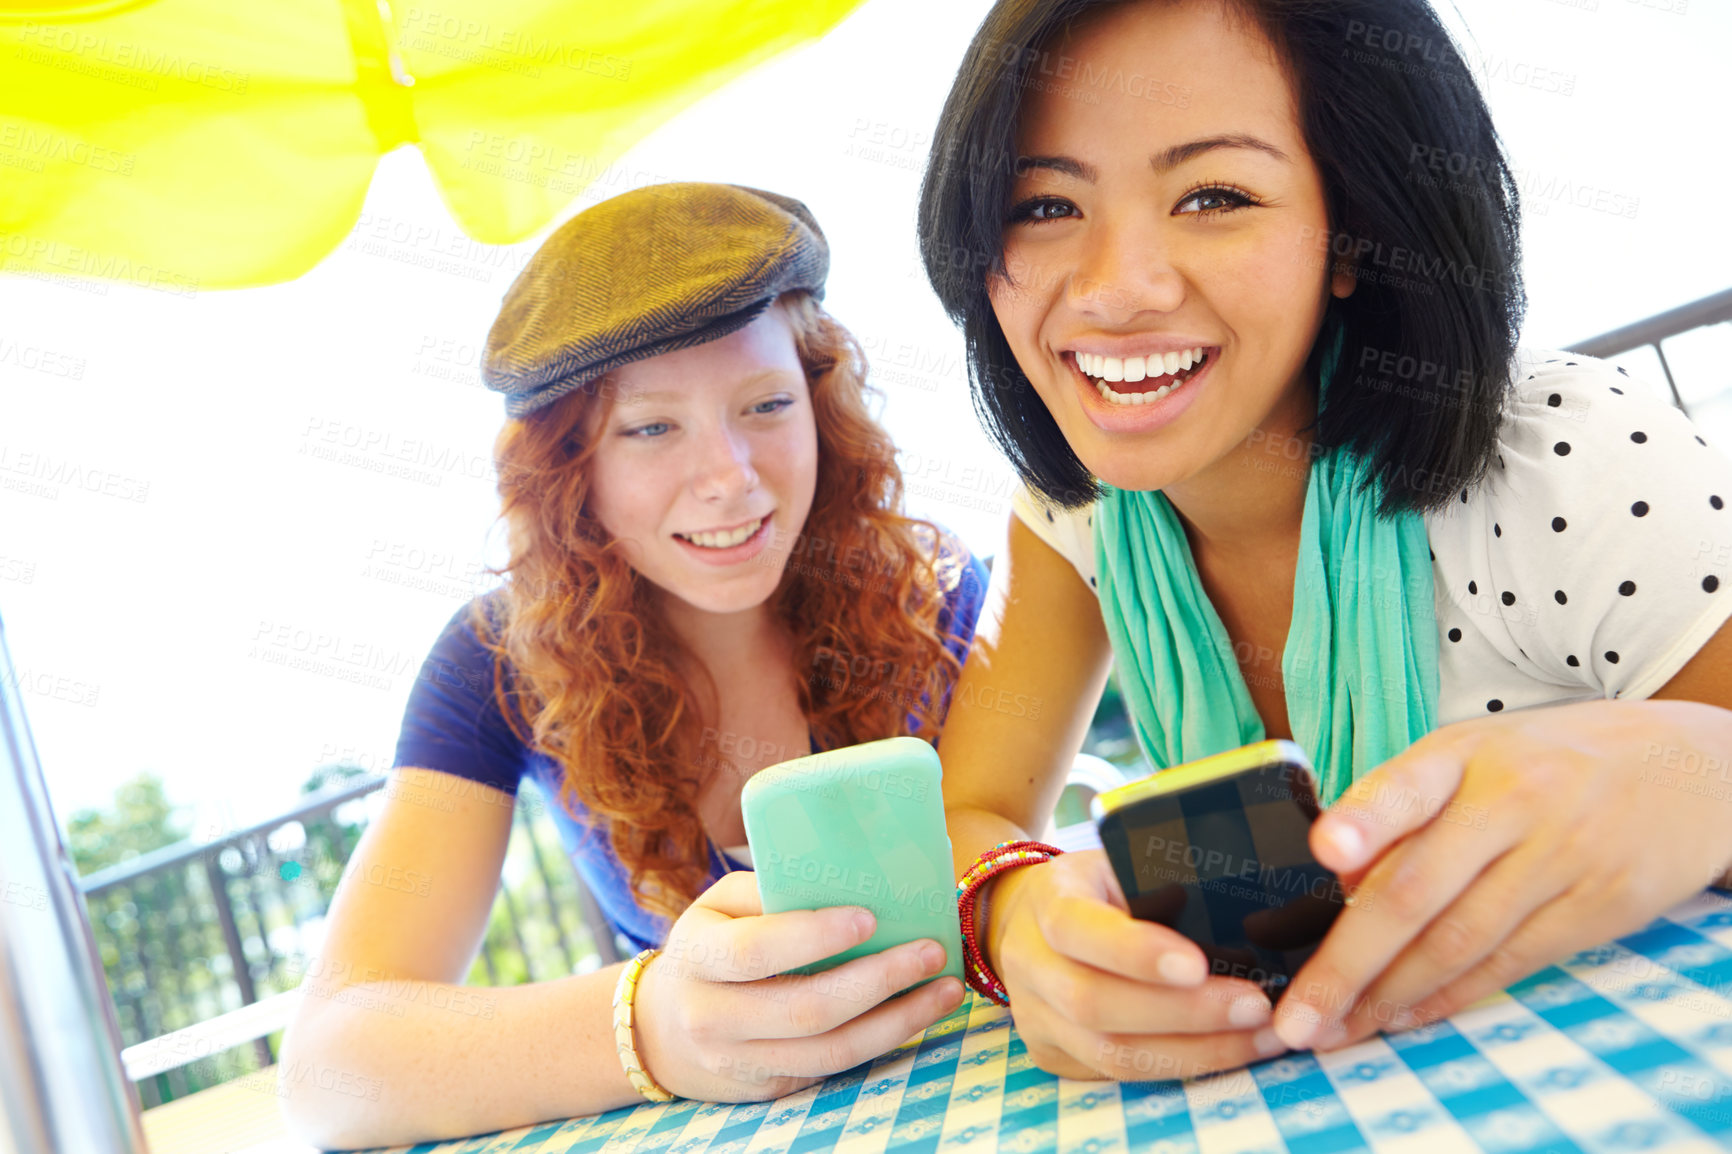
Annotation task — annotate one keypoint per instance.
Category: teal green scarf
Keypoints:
(1361, 659)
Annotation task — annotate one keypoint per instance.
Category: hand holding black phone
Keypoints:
(1219, 850)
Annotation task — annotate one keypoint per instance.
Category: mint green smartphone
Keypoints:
(858, 826)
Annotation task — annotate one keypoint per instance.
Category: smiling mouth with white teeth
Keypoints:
(1160, 373)
(723, 540)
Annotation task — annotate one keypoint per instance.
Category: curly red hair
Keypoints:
(584, 660)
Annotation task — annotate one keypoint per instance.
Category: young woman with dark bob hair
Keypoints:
(709, 572)
(1240, 287)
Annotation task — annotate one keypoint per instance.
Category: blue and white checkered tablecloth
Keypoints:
(1627, 1046)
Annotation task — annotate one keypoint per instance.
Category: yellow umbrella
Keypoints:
(219, 144)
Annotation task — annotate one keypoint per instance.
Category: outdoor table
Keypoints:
(1627, 1046)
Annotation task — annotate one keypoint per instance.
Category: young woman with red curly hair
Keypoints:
(708, 574)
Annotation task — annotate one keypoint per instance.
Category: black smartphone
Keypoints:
(1219, 849)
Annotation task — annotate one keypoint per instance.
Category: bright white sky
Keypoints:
(152, 634)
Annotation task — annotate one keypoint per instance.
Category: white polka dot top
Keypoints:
(1593, 561)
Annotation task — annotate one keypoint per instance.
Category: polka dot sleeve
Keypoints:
(1597, 552)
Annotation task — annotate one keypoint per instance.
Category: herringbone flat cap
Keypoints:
(660, 268)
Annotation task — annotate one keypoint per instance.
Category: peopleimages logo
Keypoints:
(1192, 864)
(827, 879)
(866, 777)
(138, 65)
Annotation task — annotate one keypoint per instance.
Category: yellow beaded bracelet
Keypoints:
(624, 1012)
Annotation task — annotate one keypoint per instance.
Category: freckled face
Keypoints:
(706, 465)
(1178, 216)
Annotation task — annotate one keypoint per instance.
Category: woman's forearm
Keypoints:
(974, 830)
(386, 1063)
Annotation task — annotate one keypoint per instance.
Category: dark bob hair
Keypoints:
(1413, 173)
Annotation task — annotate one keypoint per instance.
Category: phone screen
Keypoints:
(1228, 864)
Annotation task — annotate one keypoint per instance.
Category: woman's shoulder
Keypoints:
(1556, 394)
(1583, 432)
(1596, 549)
(1069, 531)
(452, 721)
(460, 643)
(465, 666)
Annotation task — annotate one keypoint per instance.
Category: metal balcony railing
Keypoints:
(1715, 309)
(202, 929)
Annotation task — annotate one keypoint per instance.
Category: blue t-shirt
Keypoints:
(453, 724)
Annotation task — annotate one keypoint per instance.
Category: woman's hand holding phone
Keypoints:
(1096, 993)
(720, 1020)
(1496, 846)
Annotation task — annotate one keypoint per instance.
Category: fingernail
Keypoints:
(1182, 969)
(1404, 1019)
(1329, 1037)
(1348, 841)
(1298, 1025)
(864, 924)
(931, 957)
(1268, 1043)
(1249, 1011)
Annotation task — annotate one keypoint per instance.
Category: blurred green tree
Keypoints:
(139, 820)
(328, 775)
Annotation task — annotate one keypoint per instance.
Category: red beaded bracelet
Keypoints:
(999, 859)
